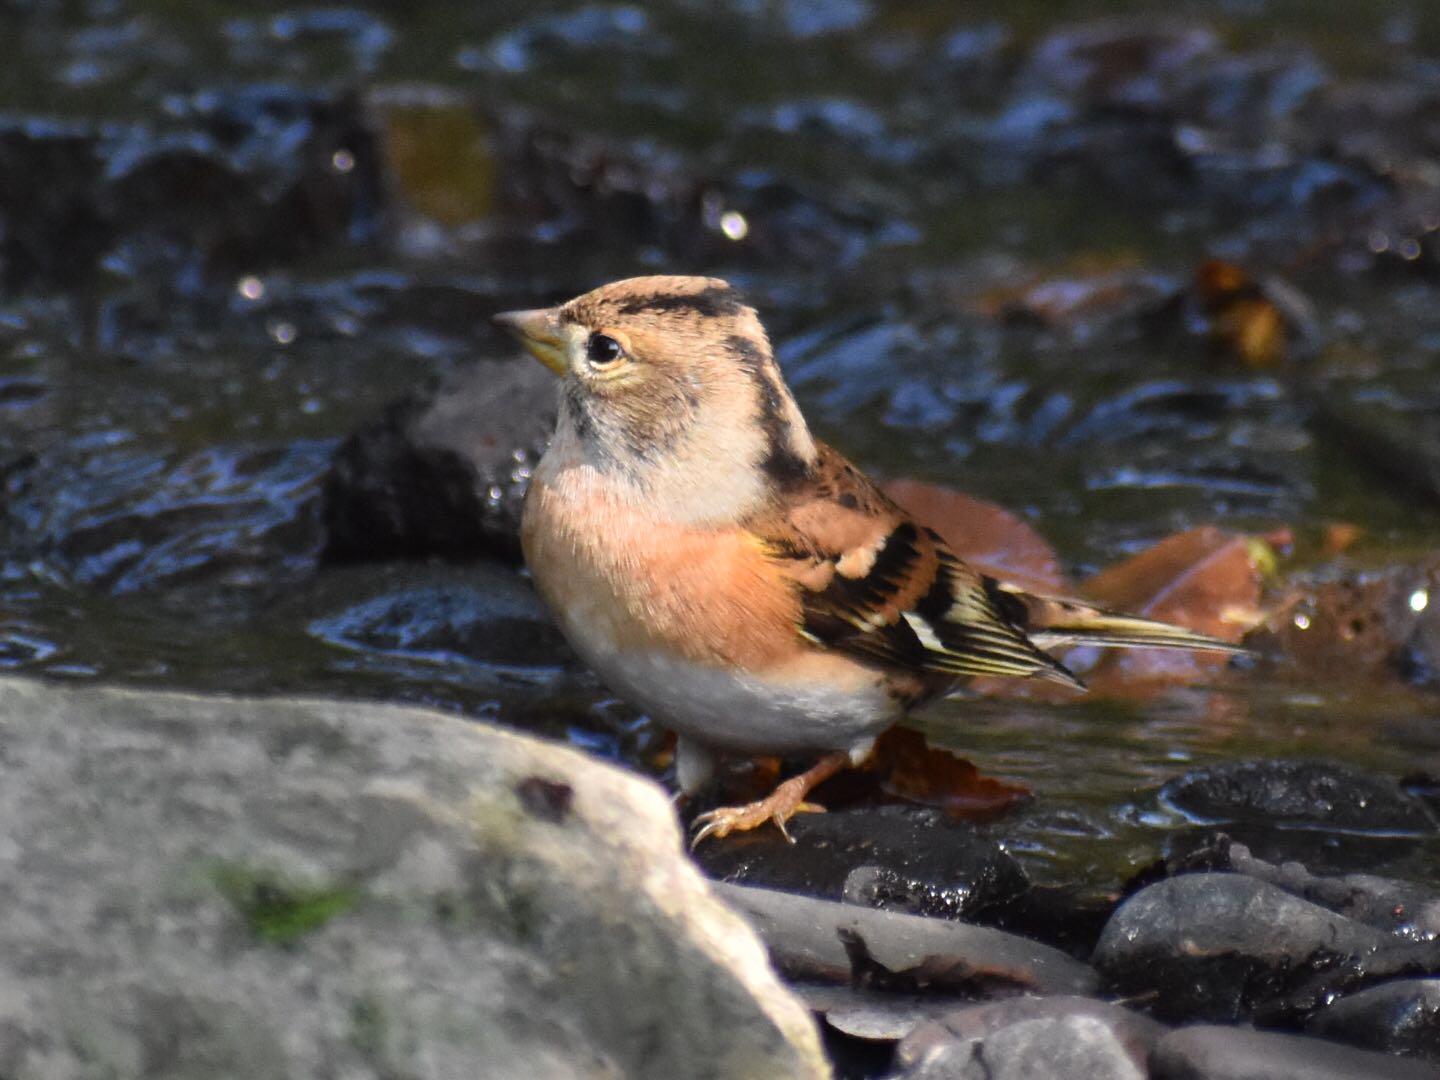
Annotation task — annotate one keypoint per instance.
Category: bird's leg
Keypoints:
(779, 806)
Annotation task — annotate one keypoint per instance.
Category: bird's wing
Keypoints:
(875, 584)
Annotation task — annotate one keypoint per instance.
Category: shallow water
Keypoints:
(232, 238)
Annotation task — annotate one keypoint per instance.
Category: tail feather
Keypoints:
(1050, 622)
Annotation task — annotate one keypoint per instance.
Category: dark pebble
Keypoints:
(1063, 1046)
(1226, 1053)
(446, 476)
(1229, 947)
(898, 858)
(1299, 795)
(1061, 1036)
(1382, 903)
(1399, 1017)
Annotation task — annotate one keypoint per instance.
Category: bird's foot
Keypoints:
(779, 806)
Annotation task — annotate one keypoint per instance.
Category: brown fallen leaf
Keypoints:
(911, 769)
(1205, 579)
(1244, 321)
(1337, 537)
(1080, 291)
(984, 534)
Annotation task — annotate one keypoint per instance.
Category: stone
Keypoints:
(442, 476)
(206, 886)
(1213, 1052)
(1384, 903)
(1398, 1017)
(901, 858)
(1297, 794)
(956, 1035)
(1045, 1048)
(828, 942)
(1226, 947)
(1399, 907)
(875, 1015)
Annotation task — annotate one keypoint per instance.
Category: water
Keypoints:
(231, 238)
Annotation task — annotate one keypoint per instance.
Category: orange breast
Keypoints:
(616, 573)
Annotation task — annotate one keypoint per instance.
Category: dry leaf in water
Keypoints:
(1244, 321)
(989, 537)
(1205, 579)
(913, 770)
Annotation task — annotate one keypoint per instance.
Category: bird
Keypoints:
(735, 577)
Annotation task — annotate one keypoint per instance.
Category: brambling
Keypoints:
(737, 578)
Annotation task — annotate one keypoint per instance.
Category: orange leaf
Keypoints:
(1243, 320)
(985, 535)
(917, 772)
(1205, 579)
(1337, 538)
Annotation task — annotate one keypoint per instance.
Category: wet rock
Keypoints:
(1061, 1036)
(1227, 947)
(1297, 795)
(445, 476)
(218, 886)
(820, 940)
(1225, 1053)
(897, 858)
(228, 181)
(1398, 1017)
(874, 1015)
(1062, 1046)
(1395, 906)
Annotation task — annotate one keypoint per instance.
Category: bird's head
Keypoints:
(670, 382)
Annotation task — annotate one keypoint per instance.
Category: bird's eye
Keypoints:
(603, 349)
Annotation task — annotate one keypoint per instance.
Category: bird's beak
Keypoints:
(539, 332)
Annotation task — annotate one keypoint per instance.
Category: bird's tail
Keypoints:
(1050, 622)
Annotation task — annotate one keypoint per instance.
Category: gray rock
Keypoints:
(822, 940)
(1210, 1052)
(1225, 946)
(954, 1036)
(1060, 1047)
(202, 887)
(1382, 903)
(1400, 1017)
(875, 1015)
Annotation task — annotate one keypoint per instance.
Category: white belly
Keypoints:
(744, 714)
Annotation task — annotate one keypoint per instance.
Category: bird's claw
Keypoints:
(724, 820)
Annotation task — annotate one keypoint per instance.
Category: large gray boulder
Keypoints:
(201, 887)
